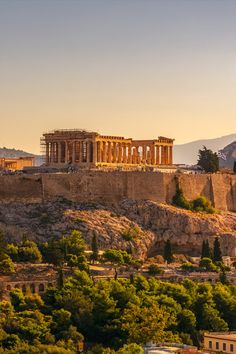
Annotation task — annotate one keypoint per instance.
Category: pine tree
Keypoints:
(208, 160)
(217, 255)
(94, 247)
(168, 256)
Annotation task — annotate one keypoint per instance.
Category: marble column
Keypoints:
(144, 154)
(47, 154)
(104, 152)
(124, 159)
(162, 155)
(136, 155)
(149, 156)
(80, 151)
(99, 151)
(66, 152)
(152, 151)
(51, 153)
(88, 151)
(166, 155)
(73, 152)
(114, 152)
(59, 152)
(119, 152)
(170, 155)
(157, 158)
(129, 153)
(109, 160)
(94, 152)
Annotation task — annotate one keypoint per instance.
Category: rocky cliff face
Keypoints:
(143, 226)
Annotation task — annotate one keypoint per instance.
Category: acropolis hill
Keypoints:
(107, 181)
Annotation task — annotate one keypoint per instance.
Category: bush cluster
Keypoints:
(200, 204)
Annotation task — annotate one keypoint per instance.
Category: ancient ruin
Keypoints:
(90, 149)
(15, 164)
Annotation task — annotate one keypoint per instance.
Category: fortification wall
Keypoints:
(25, 189)
(112, 187)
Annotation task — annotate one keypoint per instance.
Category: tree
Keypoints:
(7, 266)
(28, 252)
(115, 257)
(208, 160)
(131, 348)
(52, 252)
(186, 321)
(168, 256)
(145, 324)
(217, 255)
(72, 244)
(3, 246)
(94, 247)
(208, 265)
(206, 251)
(223, 277)
(234, 166)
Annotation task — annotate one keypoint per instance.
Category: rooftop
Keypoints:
(222, 335)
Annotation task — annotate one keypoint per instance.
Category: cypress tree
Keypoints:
(203, 249)
(168, 256)
(207, 250)
(94, 247)
(217, 255)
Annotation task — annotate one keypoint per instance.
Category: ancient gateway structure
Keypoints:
(90, 149)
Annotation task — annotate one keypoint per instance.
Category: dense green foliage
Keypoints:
(208, 160)
(200, 204)
(114, 314)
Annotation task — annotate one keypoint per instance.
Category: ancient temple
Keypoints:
(90, 149)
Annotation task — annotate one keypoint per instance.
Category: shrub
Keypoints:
(131, 233)
(189, 267)
(154, 269)
(200, 204)
(7, 266)
(208, 265)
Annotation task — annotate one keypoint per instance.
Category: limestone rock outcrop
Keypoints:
(143, 226)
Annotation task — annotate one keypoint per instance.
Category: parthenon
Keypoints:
(90, 149)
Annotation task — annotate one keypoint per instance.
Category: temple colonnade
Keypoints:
(79, 147)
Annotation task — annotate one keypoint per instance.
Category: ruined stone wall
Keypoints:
(112, 187)
(21, 189)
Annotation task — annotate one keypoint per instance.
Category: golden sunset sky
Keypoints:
(135, 68)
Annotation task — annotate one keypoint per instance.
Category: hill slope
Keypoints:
(148, 225)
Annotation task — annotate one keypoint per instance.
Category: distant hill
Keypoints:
(228, 155)
(188, 153)
(14, 153)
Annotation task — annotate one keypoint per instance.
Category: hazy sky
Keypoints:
(135, 68)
